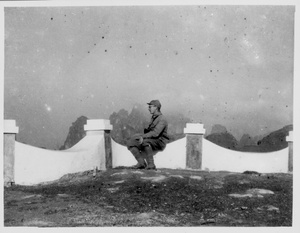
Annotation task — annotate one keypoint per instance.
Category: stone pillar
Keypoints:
(108, 149)
(289, 139)
(10, 131)
(101, 127)
(194, 137)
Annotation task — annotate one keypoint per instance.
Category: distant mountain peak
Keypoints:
(276, 140)
(127, 124)
(246, 140)
(217, 128)
(76, 133)
(224, 139)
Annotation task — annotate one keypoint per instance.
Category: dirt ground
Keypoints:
(165, 197)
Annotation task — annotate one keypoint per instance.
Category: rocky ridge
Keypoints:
(126, 124)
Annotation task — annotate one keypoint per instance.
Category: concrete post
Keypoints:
(101, 127)
(108, 149)
(10, 131)
(289, 139)
(194, 137)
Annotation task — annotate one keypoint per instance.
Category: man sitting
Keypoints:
(155, 137)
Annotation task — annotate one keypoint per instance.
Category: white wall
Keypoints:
(174, 155)
(217, 158)
(214, 157)
(34, 165)
(121, 156)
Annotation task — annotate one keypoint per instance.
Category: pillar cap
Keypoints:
(194, 128)
(289, 138)
(97, 124)
(10, 127)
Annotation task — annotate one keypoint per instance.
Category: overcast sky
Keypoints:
(229, 65)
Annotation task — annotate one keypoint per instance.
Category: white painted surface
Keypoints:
(34, 165)
(10, 127)
(121, 156)
(217, 158)
(194, 128)
(97, 124)
(174, 156)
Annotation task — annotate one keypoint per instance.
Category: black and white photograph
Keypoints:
(149, 114)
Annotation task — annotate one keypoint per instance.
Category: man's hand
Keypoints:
(140, 140)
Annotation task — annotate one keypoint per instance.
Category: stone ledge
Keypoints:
(97, 124)
(194, 128)
(10, 127)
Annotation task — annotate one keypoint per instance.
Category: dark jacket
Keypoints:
(157, 129)
(156, 134)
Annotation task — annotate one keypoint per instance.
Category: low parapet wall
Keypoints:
(174, 156)
(216, 158)
(34, 165)
(27, 165)
(195, 152)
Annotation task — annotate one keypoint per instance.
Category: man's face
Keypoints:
(152, 108)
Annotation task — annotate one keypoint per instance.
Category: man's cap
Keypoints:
(156, 103)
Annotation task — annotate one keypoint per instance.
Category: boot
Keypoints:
(149, 158)
(137, 154)
(150, 163)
